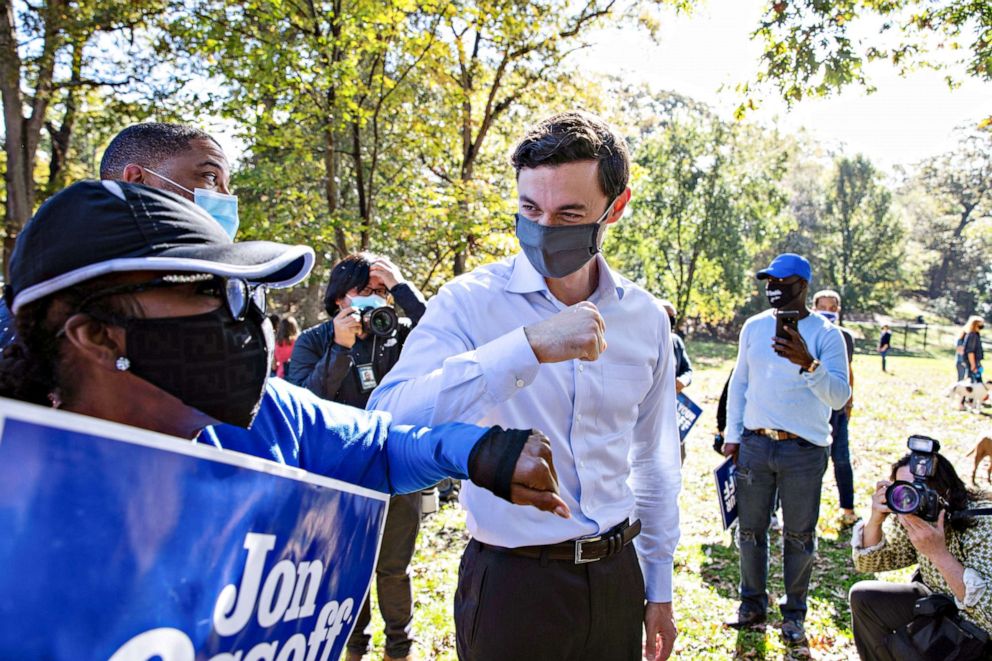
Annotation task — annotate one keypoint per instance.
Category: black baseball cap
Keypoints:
(93, 228)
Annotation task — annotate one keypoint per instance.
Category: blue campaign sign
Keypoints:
(726, 491)
(688, 412)
(127, 545)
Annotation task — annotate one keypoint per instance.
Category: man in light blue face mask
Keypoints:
(179, 159)
(554, 336)
(176, 158)
(826, 302)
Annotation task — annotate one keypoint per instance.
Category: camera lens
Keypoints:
(382, 321)
(902, 498)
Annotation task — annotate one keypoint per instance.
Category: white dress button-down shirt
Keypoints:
(611, 422)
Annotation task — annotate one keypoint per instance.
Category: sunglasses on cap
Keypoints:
(237, 294)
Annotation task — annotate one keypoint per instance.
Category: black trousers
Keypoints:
(879, 608)
(512, 608)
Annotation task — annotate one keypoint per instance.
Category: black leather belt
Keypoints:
(579, 551)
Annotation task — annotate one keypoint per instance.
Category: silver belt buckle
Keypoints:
(579, 560)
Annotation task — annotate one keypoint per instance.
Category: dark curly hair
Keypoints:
(34, 368)
(950, 487)
(577, 136)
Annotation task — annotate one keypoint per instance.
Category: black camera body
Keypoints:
(380, 321)
(917, 497)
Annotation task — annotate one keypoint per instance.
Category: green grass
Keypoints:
(888, 407)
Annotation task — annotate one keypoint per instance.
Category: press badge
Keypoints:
(366, 376)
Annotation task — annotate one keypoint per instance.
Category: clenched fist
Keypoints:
(575, 332)
(516, 465)
(534, 480)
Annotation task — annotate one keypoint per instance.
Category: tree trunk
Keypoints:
(24, 133)
(363, 206)
(18, 190)
(939, 278)
(331, 185)
(313, 303)
(62, 136)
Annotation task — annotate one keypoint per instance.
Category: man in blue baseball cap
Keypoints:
(791, 373)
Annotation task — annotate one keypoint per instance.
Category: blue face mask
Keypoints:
(361, 302)
(223, 208)
(831, 316)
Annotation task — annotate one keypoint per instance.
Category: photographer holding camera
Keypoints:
(343, 360)
(933, 528)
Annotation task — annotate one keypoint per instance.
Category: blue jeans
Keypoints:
(792, 469)
(840, 455)
(883, 354)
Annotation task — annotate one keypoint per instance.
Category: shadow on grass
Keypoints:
(710, 353)
(832, 578)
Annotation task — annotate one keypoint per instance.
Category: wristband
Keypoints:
(494, 458)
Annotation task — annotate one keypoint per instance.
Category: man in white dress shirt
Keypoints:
(552, 338)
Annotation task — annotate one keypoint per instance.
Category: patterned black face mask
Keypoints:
(782, 294)
(210, 361)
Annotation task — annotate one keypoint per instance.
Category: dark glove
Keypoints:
(516, 465)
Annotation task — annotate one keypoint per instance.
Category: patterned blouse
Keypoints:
(972, 547)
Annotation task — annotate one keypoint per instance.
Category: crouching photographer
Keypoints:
(944, 528)
(343, 360)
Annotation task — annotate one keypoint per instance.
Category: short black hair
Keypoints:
(352, 272)
(577, 136)
(147, 144)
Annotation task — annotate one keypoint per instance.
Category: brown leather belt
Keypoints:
(579, 551)
(776, 434)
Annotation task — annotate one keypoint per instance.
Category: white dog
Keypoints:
(970, 395)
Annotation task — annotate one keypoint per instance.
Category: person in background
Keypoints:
(190, 163)
(884, 344)
(973, 352)
(784, 386)
(954, 557)
(286, 333)
(342, 361)
(827, 303)
(960, 362)
(683, 368)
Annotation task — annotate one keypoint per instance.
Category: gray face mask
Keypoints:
(561, 250)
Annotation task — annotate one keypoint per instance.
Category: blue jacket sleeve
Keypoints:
(357, 446)
(419, 457)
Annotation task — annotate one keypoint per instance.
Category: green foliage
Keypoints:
(859, 247)
(705, 201)
(63, 64)
(949, 199)
(810, 47)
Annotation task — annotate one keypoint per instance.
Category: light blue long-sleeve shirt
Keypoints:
(611, 421)
(769, 392)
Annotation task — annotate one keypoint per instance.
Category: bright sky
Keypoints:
(906, 120)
